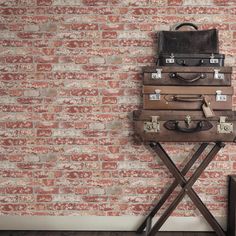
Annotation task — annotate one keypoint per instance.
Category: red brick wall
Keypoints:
(70, 78)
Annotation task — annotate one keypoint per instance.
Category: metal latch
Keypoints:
(156, 96)
(220, 97)
(188, 120)
(157, 75)
(223, 127)
(152, 126)
(170, 60)
(213, 60)
(218, 75)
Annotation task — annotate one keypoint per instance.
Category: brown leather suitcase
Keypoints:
(187, 98)
(184, 126)
(187, 76)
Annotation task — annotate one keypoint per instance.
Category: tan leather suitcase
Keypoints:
(184, 126)
(187, 98)
(187, 76)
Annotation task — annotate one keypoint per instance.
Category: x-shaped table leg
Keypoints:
(186, 188)
(170, 190)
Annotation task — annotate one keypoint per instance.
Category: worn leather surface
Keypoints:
(192, 42)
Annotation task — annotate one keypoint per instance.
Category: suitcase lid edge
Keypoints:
(189, 69)
(146, 115)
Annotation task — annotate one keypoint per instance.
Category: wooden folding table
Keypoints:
(186, 186)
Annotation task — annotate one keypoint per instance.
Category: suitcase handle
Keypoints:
(187, 80)
(179, 98)
(182, 63)
(201, 126)
(186, 24)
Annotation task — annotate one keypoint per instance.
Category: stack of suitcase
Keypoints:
(187, 97)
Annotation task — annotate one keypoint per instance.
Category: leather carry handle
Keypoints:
(200, 126)
(186, 24)
(188, 80)
(183, 63)
(179, 98)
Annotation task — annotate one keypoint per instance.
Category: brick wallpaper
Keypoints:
(70, 78)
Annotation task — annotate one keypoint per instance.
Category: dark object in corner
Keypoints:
(231, 231)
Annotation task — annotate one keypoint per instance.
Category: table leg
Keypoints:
(186, 188)
(169, 191)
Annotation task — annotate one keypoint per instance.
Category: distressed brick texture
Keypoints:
(70, 78)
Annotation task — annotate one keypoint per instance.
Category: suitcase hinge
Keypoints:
(152, 126)
(170, 60)
(218, 75)
(213, 60)
(224, 127)
(156, 96)
(220, 97)
(157, 75)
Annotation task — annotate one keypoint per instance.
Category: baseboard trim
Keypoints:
(100, 223)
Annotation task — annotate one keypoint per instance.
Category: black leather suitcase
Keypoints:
(189, 48)
(189, 42)
(184, 126)
(183, 60)
(187, 76)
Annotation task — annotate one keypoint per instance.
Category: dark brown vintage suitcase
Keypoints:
(184, 126)
(187, 98)
(188, 76)
(183, 60)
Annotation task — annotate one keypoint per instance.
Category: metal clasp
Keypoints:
(188, 120)
(220, 97)
(153, 126)
(156, 75)
(224, 127)
(213, 60)
(156, 96)
(170, 60)
(218, 75)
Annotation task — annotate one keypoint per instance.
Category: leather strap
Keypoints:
(184, 98)
(195, 78)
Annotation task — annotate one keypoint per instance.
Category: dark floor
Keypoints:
(80, 233)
